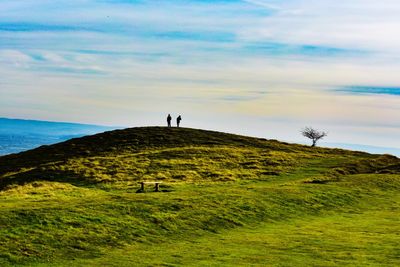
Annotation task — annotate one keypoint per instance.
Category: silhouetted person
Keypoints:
(178, 120)
(169, 118)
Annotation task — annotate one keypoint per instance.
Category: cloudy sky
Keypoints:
(257, 67)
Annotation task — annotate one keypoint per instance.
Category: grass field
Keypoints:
(226, 200)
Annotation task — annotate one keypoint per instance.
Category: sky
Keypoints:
(264, 68)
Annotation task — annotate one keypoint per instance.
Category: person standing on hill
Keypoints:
(178, 120)
(169, 118)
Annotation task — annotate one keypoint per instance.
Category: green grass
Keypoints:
(331, 240)
(226, 200)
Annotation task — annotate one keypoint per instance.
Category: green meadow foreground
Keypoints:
(225, 200)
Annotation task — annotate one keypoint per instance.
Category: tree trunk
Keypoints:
(314, 142)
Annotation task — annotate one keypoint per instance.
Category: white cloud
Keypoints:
(266, 4)
(14, 58)
(357, 24)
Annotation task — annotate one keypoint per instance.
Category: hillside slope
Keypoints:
(226, 200)
(124, 154)
(134, 140)
(161, 153)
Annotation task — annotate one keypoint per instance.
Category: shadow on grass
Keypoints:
(37, 175)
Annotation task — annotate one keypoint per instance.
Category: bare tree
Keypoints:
(313, 134)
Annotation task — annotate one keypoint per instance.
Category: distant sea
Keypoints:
(18, 135)
(366, 148)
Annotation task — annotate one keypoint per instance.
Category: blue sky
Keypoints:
(257, 67)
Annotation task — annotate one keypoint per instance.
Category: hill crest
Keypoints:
(172, 154)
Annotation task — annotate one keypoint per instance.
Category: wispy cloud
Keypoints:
(359, 24)
(266, 4)
(370, 90)
(279, 49)
(35, 27)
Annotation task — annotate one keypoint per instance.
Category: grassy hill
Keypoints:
(226, 200)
